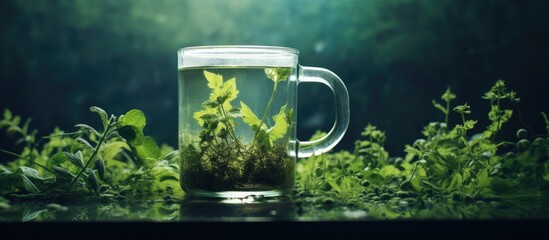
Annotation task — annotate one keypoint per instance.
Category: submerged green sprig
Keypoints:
(221, 158)
(277, 75)
(218, 116)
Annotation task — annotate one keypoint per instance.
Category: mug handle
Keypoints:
(330, 79)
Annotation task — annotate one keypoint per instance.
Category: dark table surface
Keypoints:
(274, 217)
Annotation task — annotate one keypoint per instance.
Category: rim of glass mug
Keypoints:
(237, 55)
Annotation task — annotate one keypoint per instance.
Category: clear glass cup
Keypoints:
(237, 119)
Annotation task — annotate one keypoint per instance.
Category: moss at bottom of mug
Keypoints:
(236, 168)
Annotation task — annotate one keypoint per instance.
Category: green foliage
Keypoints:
(448, 166)
(222, 159)
(497, 114)
(448, 96)
(277, 74)
(145, 148)
(123, 159)
(249, 117)
(452, 165)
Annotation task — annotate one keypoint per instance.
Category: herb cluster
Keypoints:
(118, 161)
(221, 160)
(452, 164)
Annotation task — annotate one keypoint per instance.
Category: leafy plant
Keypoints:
(117, 161)
(220, 159)
(450, 165)
(453, 165)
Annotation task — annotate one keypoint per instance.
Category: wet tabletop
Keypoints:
(280, 218)
(190, 209)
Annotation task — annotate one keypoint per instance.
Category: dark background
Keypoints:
(58, 58)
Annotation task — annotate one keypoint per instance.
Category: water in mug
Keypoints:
(234, 130)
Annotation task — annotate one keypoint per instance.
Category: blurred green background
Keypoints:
(58, 58)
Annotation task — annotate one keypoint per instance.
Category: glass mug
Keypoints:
(237, 119)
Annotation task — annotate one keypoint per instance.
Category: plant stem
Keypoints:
(265, 113)
(413, 172)
(498, 116)
(231, 130)
(95, 151)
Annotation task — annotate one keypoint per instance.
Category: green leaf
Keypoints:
(494, 113)
(7, 114)
(210, 117)
(102, 114)
(28, 185)
(16, 120)
(100, 166)
(463, 109)
(172, 156)
(373, 134)
(439, 107)
(31, 173)
(112, 134)
(88, 127)
(389, 171)
(132, 134)
(85, 143)
(412, 150)
(234, 112)
(469, 124)
(58, 158)
(229, 89)
(135, 118)
(215, 81)
(31, 214)
(110, 150)
(148, 151)
(448, 95)
(331, 182)
(198, 115)
(483, 180)
(92, 181)
(456, 181)
(280, 126)
(508, 113)
(277, 74)
(249, 117)
(163, 171)
(62, 172)
(76, 159)
(210, 104)
(418, 176)
(223, 94)
(25, 127)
